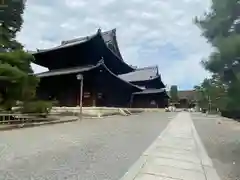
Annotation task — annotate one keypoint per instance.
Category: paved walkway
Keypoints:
(177, 154)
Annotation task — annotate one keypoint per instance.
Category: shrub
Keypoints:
(42, 108)
(234, 114)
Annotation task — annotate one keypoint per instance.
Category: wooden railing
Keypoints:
(10, 118)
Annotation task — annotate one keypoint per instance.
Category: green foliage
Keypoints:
(212, 92)
(220, 21)
(221, 26)
(202, 99)
(16, 81)
(174, 94)
(37, 107)
(19, 59)
(10, 23)
(233, 97)
(226, 57)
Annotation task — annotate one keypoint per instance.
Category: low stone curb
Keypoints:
(20, 126)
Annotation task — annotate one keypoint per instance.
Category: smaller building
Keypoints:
(153, 94)
(187, 99)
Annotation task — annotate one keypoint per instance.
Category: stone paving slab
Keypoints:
(172, 146)
(188, 157)
(176, 163)
(151, 177)
(181, 144)
(166, 149)
(177, 153)
(172, 172)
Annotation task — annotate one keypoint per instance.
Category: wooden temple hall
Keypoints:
(108, 81)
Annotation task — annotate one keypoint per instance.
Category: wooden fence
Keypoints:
(10, 118)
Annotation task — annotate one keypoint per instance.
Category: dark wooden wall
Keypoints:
(99, 90)
(149, 101)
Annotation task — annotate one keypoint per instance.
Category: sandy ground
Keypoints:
(93, 149)
(221, 138)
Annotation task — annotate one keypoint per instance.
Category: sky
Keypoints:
(155, 32)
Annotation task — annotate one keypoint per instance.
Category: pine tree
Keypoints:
(221, 26)
(16, 83)
(174, 94)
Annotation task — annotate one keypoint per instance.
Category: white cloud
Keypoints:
(149, 32)
(184, 72)
(75, 3)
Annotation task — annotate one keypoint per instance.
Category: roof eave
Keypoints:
(64, 46)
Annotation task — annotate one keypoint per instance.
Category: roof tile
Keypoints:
(141, 74)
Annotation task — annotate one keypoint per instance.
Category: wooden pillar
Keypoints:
(131, 101)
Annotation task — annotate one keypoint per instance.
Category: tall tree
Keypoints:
(202, 99)
(10, 23)
(211, 94)
(221, 26)
(16, 83)
(174, 94)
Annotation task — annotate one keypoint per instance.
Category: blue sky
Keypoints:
(156, 32)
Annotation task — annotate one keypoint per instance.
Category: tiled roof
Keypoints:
(107, 36)
(151, 91)
(141, 74)
(65, 71)
(82, 69)
(187, 94)
(68, 43)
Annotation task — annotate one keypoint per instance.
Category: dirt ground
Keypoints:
(221, 137)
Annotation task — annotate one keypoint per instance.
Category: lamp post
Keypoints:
(210, 104)
(80, 78)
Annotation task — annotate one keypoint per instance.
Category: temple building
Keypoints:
(108, 81)
(186, 99)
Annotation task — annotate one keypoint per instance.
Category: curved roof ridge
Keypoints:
(110, 31)
(65, 45)
(75, 40)
(65, 71)
(155, 77)
(103, 64)
(147, 67)
(85, 37)
(119, 58)
(83, 69)
(110, 37)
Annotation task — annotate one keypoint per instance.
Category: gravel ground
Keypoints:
(88, 150)
(221, 138)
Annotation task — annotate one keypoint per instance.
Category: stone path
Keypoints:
(177, 154)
